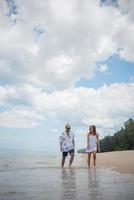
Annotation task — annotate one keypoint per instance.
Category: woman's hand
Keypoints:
(98, 149)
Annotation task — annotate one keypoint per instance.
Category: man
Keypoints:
(67, 145)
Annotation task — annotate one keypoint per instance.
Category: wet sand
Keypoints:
(121, 161)
(39, 176)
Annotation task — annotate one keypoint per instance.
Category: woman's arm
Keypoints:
(88, 140)
(98, 143)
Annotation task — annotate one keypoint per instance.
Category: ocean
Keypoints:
(38, 176)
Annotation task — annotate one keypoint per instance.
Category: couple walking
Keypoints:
(67, 144)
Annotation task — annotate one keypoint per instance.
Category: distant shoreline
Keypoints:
(121, 161)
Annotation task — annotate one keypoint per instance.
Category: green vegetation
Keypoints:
(121, 140)
(81, 151)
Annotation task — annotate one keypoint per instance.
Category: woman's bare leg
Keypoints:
(88, 159)
(94, 158)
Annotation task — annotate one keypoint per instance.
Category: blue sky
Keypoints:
(119, 71)
(64, 62)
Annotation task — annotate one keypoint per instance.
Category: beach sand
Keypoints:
(121, 161)
(32, 176)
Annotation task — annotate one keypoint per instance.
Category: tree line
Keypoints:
(121, 140)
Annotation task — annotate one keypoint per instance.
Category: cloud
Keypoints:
(21, 117)
(127, 7)
(107, 107)
(6, 94)
(47, 46)
(73, 38)
(103, 68)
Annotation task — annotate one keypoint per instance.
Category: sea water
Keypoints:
(38, 176)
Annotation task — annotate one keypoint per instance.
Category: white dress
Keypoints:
(92, 141)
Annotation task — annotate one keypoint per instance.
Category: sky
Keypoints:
(64, 62)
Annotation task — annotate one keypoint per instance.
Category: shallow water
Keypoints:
(39, 177)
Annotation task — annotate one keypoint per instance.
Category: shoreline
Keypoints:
(120, 161)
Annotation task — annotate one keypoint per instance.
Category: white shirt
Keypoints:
(67, 141)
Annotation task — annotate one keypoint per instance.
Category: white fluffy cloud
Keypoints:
(103, 68)
(20, 117)
(47, 46)
(107, 107)
(6, 94)
(54, 43)
(127, 7)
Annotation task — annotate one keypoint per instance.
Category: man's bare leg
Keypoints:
(63, 161)
(71, 159)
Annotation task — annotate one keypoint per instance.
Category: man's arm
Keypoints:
(73, 141)
(61, 141)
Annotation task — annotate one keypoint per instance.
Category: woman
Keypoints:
(92, 144)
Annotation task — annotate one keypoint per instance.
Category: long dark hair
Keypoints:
(94, 129)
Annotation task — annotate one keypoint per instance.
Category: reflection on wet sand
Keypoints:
(68, 184)
(39, 177)
(93, 184)
(75, 184)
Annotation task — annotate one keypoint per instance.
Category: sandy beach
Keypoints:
(33, 175)
(121, 161)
